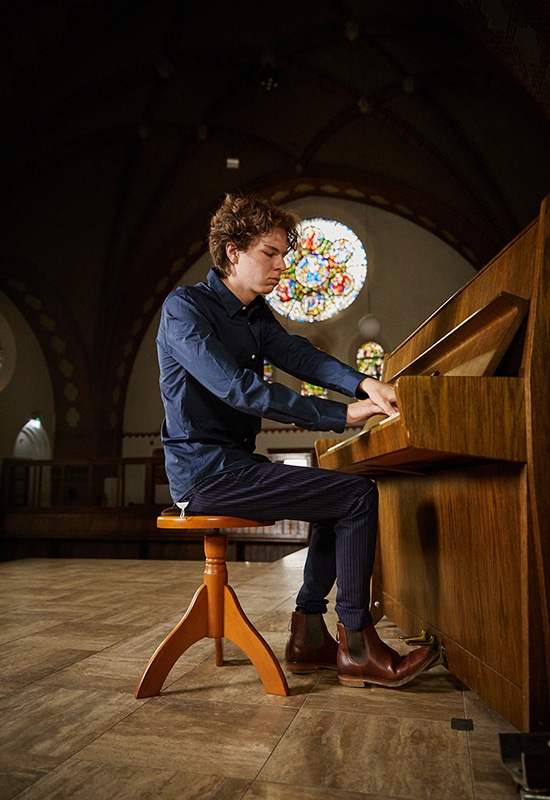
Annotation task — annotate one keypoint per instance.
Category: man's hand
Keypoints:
(382, 394)
(381, 400)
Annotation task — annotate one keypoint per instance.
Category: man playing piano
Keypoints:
(212, 341)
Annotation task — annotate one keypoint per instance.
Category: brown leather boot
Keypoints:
(310, 645)
(364, 658)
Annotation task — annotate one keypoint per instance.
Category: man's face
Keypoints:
(257, 270)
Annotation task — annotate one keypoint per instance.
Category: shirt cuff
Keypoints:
(332, 415)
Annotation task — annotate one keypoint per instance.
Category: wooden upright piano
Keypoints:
(463, 473)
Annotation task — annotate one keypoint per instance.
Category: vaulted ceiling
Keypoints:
(125, 122)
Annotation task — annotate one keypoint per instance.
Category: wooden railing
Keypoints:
(111, 483)
(108, 508)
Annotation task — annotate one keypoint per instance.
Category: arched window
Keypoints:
(370, 359)
(308, 389)
(268, 371)
(324, 274)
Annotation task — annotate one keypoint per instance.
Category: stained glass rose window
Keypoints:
(324, 274)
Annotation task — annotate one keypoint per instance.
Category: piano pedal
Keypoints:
(425, 639)
(421, 638)
(441, 657)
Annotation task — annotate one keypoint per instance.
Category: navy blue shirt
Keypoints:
(211, 352)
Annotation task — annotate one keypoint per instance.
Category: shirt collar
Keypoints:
(231, 302)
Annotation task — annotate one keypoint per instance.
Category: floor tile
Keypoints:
(50, 724)
(387, 755)
(234, 740)
(27, 660)
(83, 780)
(279, 791)
(433, 695)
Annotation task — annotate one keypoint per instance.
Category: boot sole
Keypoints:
(357, 681)
(298, 669)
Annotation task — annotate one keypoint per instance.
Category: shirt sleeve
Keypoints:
(187, 338)
(301, 359)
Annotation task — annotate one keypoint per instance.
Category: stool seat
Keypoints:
(214, 612)
(169, 519)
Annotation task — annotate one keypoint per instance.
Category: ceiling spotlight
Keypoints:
(363, 105)
(165, 69)
(144, 130)
(352, 30)
(269, 77)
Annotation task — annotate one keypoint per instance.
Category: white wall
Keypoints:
(410, 274)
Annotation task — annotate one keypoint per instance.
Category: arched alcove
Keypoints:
(32, 442)
(28, 393)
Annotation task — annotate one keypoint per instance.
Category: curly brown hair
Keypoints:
(240, 220)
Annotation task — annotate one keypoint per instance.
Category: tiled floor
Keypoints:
(76, 635)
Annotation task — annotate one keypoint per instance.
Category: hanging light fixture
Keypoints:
(369, 326)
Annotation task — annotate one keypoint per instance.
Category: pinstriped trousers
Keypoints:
(344, 512)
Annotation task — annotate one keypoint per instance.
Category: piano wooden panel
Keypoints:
(429, 428)
(463, 477)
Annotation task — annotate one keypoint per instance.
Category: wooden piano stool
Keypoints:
(214, 612)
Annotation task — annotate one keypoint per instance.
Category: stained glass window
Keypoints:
(370, 359)
(268, 371)
(324, 274)
(308, 389)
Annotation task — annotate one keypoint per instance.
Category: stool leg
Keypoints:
(203, 618)
(240, 630)
(227, 618)
(192, 628)
(215, 578)
(218, 644)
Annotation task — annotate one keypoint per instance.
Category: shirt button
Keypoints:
(253, 356)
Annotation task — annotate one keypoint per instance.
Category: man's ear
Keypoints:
(232, 252)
